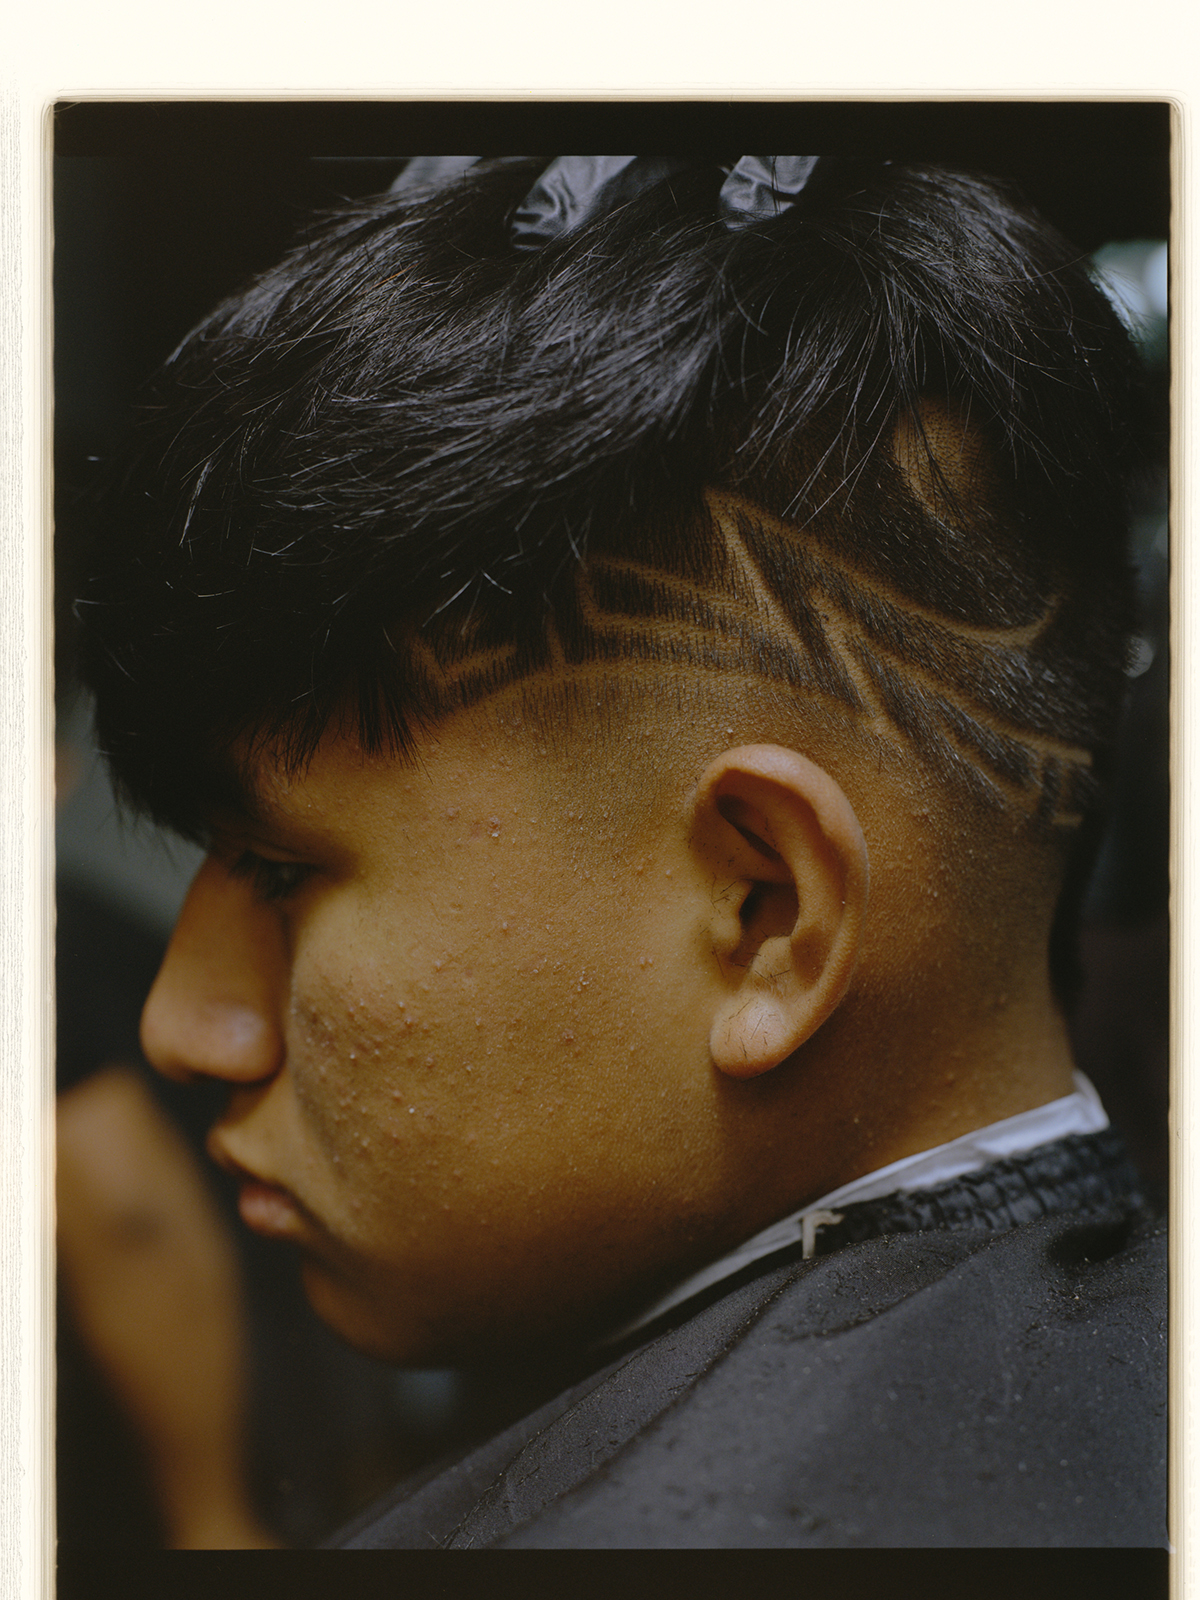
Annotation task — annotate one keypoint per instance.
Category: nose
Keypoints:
(215, 1006)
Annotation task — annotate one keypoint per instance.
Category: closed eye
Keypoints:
(272, 881)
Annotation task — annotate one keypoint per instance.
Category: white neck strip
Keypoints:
(1080, 1112)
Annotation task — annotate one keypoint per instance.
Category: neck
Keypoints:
(1002, 1051)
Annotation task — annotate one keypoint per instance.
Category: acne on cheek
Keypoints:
(546, 948)
(359, 1044)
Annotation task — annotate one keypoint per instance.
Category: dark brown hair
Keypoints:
(876, 449)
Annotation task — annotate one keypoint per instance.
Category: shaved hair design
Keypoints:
(874, 451)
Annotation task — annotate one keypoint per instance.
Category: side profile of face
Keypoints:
(503, 1060)
(467, 1031)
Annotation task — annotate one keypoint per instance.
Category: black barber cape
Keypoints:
(980, 1363)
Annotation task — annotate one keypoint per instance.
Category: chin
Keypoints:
(358, 1319)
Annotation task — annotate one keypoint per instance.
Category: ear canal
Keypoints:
(769, 911)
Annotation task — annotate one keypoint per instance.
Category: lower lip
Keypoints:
(268, 1210)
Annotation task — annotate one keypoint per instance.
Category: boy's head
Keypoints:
(551, 644)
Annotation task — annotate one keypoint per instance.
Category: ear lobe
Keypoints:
(789, 864)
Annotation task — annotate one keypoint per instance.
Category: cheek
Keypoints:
(387, 1067)
(443, 1050)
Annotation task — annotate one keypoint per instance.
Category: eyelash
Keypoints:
(273, 881)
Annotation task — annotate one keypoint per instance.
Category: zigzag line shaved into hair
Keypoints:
(774, 604)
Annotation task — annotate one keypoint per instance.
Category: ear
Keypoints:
(789, 865)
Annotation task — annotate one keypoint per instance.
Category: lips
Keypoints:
(264, 1207)
(268, 1210)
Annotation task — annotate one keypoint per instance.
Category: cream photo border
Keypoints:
(62, 50)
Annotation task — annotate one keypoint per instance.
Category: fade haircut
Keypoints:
(875, 450)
